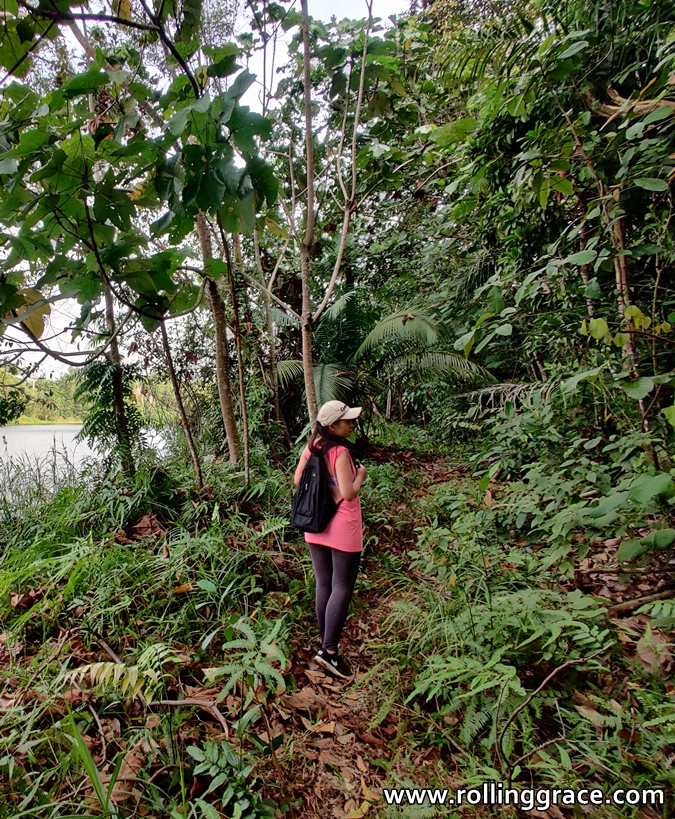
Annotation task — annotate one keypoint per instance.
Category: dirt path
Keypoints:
(343, 741)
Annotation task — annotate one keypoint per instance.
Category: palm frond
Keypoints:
(282, 319)
(409, 325)
(444, 362)
(288, 372)
(497, 395)
(335, 310)
(331, 381)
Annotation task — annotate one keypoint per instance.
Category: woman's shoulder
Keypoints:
(337, 451)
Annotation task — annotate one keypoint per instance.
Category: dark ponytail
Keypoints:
(323, 440)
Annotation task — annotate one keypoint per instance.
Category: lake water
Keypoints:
(42, 440)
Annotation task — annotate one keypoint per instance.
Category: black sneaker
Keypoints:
(334, 664)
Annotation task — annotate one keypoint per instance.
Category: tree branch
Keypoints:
(533, 694)
(350, 203)
(172, 48)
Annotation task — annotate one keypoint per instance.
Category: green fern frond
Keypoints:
(335, 310)
(331, 381)
(282, 319)
(407, 325)
(443, 362)
(476, 718)
(288, 372)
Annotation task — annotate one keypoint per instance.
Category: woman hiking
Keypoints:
(335, 552)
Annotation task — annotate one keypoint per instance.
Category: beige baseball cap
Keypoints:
(333, 411)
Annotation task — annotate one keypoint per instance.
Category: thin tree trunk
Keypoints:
(222, 357)
(307, 359)
(274, 377)
(181, 407)
(583, 236)
(618, 234)
(306, 245)
(240, 362)
(113, 354)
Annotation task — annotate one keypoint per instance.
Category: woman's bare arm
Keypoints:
(349, 488)
(302, 463)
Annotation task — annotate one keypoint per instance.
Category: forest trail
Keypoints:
(347, 742)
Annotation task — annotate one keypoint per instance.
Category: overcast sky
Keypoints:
(325, 9)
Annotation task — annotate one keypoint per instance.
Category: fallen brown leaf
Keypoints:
(345, 739)
(76, 695)
(128, 774)
(146, 526)
(553, 812)
(371, 739)
(590, 713)
(305, 700)
(653, 652)
(25, 600)
(319, 727)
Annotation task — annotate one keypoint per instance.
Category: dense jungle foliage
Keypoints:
(461, 219)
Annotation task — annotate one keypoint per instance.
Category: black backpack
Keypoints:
(313, 506)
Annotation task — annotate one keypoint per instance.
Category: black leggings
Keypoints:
(335, 573)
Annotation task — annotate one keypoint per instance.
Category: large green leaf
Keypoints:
(571, 384)
(580, 258)
(224, 59)
(638, 389)
(659, 539)
(652, 184)
(631, 549)
(241, 84)
(453, 132)
(646, 487)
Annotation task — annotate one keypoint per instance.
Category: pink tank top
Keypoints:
(345, 531)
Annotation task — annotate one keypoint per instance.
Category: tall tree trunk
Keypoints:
(181, 407)
(617, 226)
(306, 245)
(238, 341)
(217, 307)
(113, 354)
